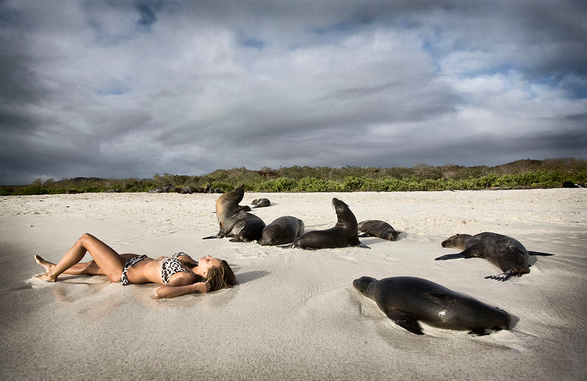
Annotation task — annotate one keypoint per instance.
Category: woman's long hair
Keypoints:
(221, 276)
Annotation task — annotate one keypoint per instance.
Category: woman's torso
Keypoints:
(149, 270)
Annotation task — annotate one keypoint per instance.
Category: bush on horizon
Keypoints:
(549, 173)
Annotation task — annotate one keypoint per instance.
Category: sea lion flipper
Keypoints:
(539, 253)
(364, 235)
(220, 234)
(409, 324)
(501, 277)
(403, 320)
(450, 256)
(479, 332)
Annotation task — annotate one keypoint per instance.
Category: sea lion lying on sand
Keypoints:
(376, 228)
(407, 300)
(260, 202)
(504, 252)
(281, 231)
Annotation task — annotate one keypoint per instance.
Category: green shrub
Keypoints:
(548, 173)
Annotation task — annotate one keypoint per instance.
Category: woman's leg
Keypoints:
(82, 268)
(108, 260)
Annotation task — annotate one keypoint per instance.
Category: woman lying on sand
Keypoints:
(180, 274)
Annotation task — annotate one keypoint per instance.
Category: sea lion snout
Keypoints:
(338, 205)
(455, 240)
(447, 243)
(362, 283)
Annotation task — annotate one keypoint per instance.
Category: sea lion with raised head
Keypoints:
(281, 231)
(504, 252)
(343, 234)
(234, 221)
(377, 228)
(408, 300)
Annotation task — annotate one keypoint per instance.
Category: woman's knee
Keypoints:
(86, 238)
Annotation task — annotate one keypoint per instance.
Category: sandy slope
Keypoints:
(294, 314)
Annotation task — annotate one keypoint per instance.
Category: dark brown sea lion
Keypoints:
(167, 188)
(408, 300)
(376, 228)
(281, 231)
(260, 202)
(504, 252)
(187, 190)
(234, 221)
(343, 234)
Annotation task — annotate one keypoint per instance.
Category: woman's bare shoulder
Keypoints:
(182, 278)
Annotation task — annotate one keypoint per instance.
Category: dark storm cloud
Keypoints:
(138, 87)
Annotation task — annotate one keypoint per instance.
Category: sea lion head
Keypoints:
(363, 284)
(346, 218)
(457, 240)
(391, 235)
(234, 196)
(339, 206)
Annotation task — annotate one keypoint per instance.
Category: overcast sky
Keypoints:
(122, 89)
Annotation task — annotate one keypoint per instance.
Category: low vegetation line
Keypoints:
(521, 174)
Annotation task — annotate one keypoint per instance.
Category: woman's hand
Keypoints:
(202, 287)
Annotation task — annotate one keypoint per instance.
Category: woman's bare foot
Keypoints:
(46, 276)
(48, 267)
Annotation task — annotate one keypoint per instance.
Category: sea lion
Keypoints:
(281, 231)
(260, 202)
(167, 188)
(343, 234)
(234, 221)
(570, 184)
(187, 190)
(504, 252)
(407, 300)
(376, 228)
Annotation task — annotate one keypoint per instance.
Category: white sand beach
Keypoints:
(295, 314)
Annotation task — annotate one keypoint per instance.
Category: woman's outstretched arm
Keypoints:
(167, 291)
(183, 283)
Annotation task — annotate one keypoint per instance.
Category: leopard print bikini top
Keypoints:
(172, 266)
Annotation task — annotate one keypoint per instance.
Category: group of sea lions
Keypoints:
(168, 188)
(405, 300)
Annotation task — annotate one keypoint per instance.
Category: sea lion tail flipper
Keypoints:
(501, 277)
(362, 245)
(211, 237)
(539, 253)
(403, 320)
